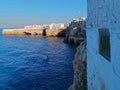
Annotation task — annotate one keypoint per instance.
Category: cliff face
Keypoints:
(76, 34)
(80, 69)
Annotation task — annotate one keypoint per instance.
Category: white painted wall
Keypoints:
(102, 74)
(8, 29)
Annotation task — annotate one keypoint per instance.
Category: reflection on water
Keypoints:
(22, 66)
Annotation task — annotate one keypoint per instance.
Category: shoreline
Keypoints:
(33, 32)
(75, 34)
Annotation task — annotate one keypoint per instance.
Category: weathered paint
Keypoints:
(102, 74)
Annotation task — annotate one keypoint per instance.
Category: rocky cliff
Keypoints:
(76, 34)
(80, 72)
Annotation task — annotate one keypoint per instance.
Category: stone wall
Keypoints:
(103, 74)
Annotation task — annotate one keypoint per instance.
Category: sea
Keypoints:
(22, 64)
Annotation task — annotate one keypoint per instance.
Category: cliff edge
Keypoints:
(76, 34)
(80, 70)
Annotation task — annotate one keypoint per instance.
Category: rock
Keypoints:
(61, 34)
(75, 32)
(27, 33)
(80, 70)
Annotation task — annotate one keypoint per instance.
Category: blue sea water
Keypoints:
(22, 66)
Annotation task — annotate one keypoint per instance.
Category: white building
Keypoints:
(60, 25)
(52, 26)
(56, 26)
(33, 27)
(103, 45)
(49, 26)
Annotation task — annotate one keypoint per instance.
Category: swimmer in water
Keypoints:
(45, 58)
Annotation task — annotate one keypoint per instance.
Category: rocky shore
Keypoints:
(22, 31)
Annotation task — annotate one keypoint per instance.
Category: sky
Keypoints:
(19, 13)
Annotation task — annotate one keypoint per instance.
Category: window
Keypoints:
(104, 43)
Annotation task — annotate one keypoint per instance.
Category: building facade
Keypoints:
(103, 44)
(48, 26)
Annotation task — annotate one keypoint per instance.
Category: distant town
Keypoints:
(52, 29)
(53, 25)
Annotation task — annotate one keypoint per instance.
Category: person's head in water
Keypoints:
(46, 58)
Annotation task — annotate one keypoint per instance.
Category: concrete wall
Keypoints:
(102, 74)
